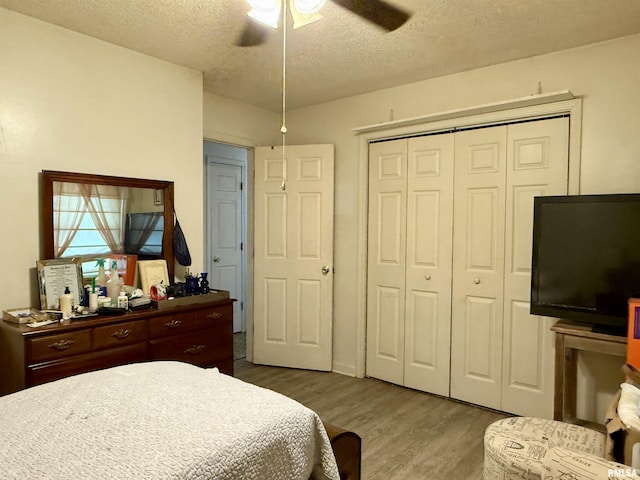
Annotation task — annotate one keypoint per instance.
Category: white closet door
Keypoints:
(386, 260)
(428, 263)
(478, 266)
(538, 158)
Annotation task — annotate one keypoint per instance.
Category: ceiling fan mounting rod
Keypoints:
(283, 128)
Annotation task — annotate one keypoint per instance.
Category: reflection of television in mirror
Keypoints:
(143, 234)
(586, 258)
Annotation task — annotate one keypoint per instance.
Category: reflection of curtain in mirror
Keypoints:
(107, 206)
(140, 228)
(68, 211)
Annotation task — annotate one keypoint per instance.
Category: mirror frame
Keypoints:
(47, 177)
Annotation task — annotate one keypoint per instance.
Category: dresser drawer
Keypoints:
(217, 315)
(120, 334)
(172, 324)
(202, 347)
(61, 345)
(86, 362)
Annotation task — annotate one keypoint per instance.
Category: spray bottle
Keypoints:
(102, 279)
(114, 284)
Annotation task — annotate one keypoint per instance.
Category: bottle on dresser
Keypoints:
(114, 284)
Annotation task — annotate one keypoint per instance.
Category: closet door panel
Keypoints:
(537, 158)
(478, 266)
(428, 264)
(386, 260)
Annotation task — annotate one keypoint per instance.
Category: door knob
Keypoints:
(216, 259)
(326, 269)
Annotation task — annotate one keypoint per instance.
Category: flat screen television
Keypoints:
(586, 258)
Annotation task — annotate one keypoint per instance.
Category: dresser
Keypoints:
(201, 334)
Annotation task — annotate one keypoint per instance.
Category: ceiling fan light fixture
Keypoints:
(266, 11)
(307, 7)
(301, 19)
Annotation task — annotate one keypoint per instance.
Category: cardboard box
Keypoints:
(633, 333)
(24, 315)
(620, 440)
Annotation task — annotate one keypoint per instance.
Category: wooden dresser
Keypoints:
(201, 334)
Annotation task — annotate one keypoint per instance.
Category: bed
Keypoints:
(160, 420)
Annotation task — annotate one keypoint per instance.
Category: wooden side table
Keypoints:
(571, 337)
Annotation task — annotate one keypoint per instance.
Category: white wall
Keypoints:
(69, 102)
(606, 75)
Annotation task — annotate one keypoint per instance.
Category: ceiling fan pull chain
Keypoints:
(283, 128)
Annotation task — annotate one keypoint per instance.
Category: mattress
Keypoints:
(160, 420)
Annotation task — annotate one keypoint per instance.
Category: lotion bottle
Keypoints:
(66, 303)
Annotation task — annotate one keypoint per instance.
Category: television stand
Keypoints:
(571, 337)
(610, 330)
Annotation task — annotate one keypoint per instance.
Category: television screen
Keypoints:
(586, 257)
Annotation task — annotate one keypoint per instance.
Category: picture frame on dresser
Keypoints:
(54, 276)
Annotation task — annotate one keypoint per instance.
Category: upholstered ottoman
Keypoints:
(526, 448)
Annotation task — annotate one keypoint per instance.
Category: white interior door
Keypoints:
(386, 263)
(478, 266)
(538, 159)
(293, 258)
(225, 214)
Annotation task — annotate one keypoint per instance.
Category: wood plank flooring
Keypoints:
(406, 434)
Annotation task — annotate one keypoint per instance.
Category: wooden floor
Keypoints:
(406, 434)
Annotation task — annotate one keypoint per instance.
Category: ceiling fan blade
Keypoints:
(377, 11)
(253, 34)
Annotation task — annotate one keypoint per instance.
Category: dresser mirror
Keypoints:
(92, 216)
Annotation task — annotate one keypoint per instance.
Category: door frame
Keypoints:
(502, 112)
(245, 237)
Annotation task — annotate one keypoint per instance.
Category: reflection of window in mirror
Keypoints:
(90, 220)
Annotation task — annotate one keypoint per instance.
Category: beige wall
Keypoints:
(606, 76)
(237, 123)
(69, 102)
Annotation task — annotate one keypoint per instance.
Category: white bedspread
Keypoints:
(160, 420)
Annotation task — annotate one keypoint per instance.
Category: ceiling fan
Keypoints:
(268, 12)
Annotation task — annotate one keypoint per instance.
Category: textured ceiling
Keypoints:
(341, 55)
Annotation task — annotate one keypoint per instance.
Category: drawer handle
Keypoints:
(173, 324)
(195, 349)
(214, 315)
(122, 334)
(62, 344)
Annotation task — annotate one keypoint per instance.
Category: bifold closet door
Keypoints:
(428, 263)
(478, 266)
(538, 159)
(501, 356)
(386, 260)
(409, 265)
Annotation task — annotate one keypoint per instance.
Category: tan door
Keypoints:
(501, 356)
(386, 263)
(293, 258)
(478, 266)
(538, 159)
(428, 263)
